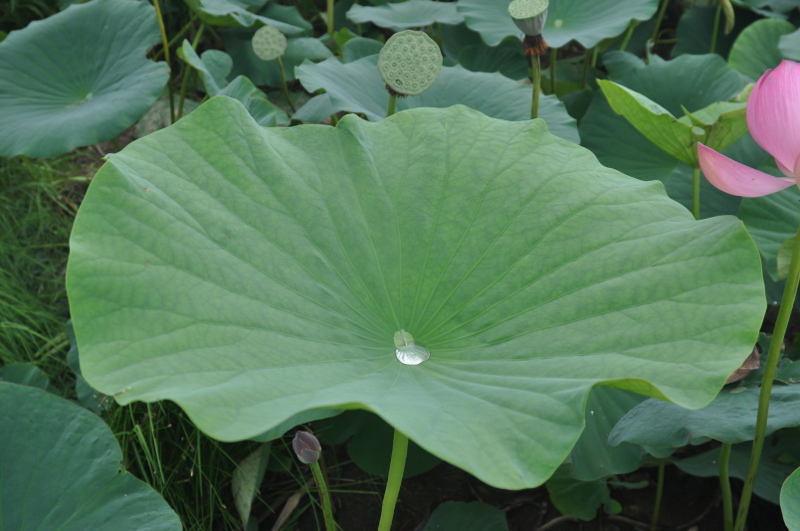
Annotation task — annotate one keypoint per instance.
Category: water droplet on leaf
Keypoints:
(412, 354)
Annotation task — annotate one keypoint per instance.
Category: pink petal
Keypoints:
(773, 113)
(737, 179)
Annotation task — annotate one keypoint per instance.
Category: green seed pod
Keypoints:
(529, 15)
(409, 63)
(269, 43)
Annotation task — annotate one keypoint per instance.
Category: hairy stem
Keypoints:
(696, 192)
(773, 356)
(165, 43)
(285, 87)
(659, 493)
(659, 18)
(392, 105)
(324, 497)
(715, 32)
(536, 79)
(725, 484)
(396, 467)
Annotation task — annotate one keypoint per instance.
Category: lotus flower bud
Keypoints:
(307, 447)
(409, 63)
(530, 16)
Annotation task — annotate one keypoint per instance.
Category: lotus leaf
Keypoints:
(790, 501)
(251, 273)
(56, 97)
(358, 87)
(60, 469)
(405, 15)
(586, 22)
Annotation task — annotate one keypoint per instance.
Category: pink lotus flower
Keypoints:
(773, 117)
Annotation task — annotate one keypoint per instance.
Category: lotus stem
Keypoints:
(773, 356)
(585, 68)
(165, 44)
(187, 72)
(175, 38)
(392, 105)
(285, 87)
(116, 145)
(396, 467)
(659, 18)
(725, 484)
(324, 497)
(696, 192)
(553, 59)
(628, 35)
(715, 32)
(536, 79)
(659, 493)
(330, 17)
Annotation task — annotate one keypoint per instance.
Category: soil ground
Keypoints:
(689, 504)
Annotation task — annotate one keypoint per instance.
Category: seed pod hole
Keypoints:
(410, 62)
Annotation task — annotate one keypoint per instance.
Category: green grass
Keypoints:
(37, 206)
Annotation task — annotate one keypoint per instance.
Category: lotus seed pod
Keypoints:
(530, 16)
(409, 63)
(269, 43)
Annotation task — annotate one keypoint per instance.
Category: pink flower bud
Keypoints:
(307, 447)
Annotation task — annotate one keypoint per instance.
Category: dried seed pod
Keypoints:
(409, 63)
(269, 43)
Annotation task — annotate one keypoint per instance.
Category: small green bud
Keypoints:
(269, 43)
(409, 63)
(307, 447)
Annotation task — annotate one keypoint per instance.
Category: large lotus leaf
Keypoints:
(592, 458)
(730, 418)
(238, 13)
(411, 14)
(77, 78)
(790, 501)
(586, 22)
(789, 46)
(249, 274)
(770, 220)
(358, 87)
(60, 469)
(756, 48)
